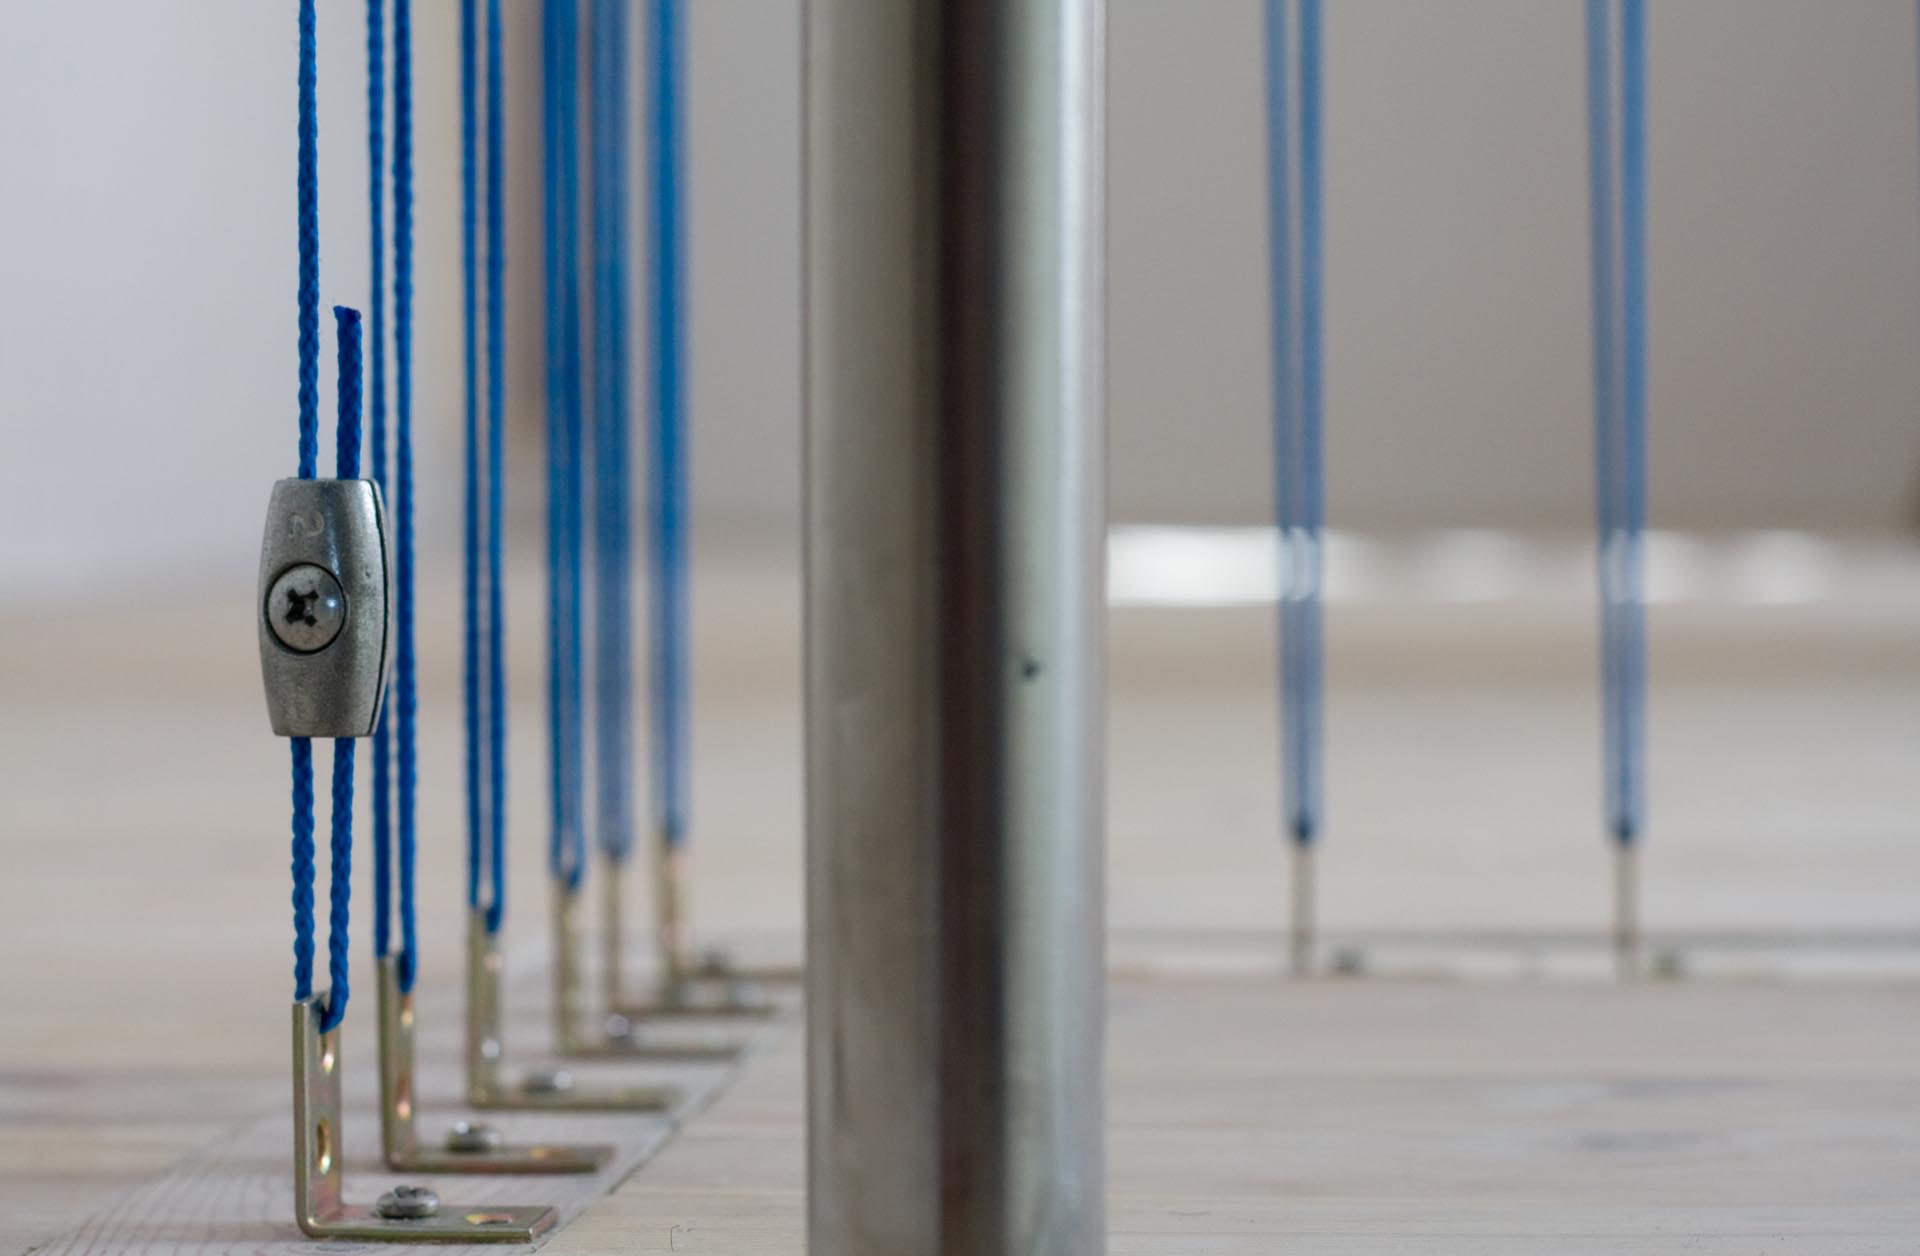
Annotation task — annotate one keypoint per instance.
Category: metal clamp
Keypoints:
(325, 617)
(408, 1214)
(470, 1147)
(551, 1089)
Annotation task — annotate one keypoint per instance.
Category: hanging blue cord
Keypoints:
(377, 449)
(302, 867)
(560, 42)
(405, 685)
(556, 543)
(573, 435)
(669, 631)
(1617, 208)
(1309, 805)
(496, 428)
(469, 254)
(613, 591)
(307, 300)
(340, 873)
(1297, 397)
(1633, 289)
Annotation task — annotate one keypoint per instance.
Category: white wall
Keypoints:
(147, 255)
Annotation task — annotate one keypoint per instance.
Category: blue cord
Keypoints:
(496, 427)
(1297, 398)
(307, 300)
(405, 685)
(469, 225)
(340, 873)
(1631, 815)
(614, 598)
(573, 506)
(565, 857)
(346, 450)
(377, 451)
(302, 868)
(1618, 259)
(556, 475)
(307, 194)
(669, 632)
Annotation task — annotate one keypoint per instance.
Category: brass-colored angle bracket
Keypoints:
(619, 1038)
(678, 997)
(554, 1090)
(400, 1141)
(317, 1154)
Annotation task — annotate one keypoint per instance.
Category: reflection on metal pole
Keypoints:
(955, 578)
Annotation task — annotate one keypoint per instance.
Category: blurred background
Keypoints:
(146, 250)
(146, 382)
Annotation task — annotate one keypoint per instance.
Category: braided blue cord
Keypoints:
(1630, 814)
(340, 872)
(307, 197)
(1618, 258)
(560, 48)
(613, 590)
(496, 426)
(346, 455)
(469, 225)
(1309, 805)
(307, 299)
(556, 595)
(377, 450)
(340, 885)
(405, 688)
(668, 476)
(302, 867)
(1297, 398)
(573, 438)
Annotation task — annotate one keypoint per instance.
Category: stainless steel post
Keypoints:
(955, 553)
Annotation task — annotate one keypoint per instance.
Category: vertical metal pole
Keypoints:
(955, 600)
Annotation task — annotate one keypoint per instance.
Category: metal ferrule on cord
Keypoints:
(325, 607)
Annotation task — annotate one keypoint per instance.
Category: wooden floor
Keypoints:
(1494, 1119)
(1769, 1103)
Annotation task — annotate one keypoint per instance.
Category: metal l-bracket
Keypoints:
(553, 1091)
(317, 1155)
(678, 997)
(401, 1142)
(619, 1038)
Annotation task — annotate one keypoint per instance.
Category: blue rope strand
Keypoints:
(340, 871)
(1617, 209)
(340, 885)
(381, 768)
(669, 633)
(1633, 291)
(1295, 229)
(556, 595)
(496, 425)
(307, 196)
(346, 455)
(1309, 805)
(405, 688)
(552, 139)
(614, 598)
(469, 224)
(302, 868)
(572, 505)
(307, 300)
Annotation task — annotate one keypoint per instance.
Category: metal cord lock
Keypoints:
(325, 618)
